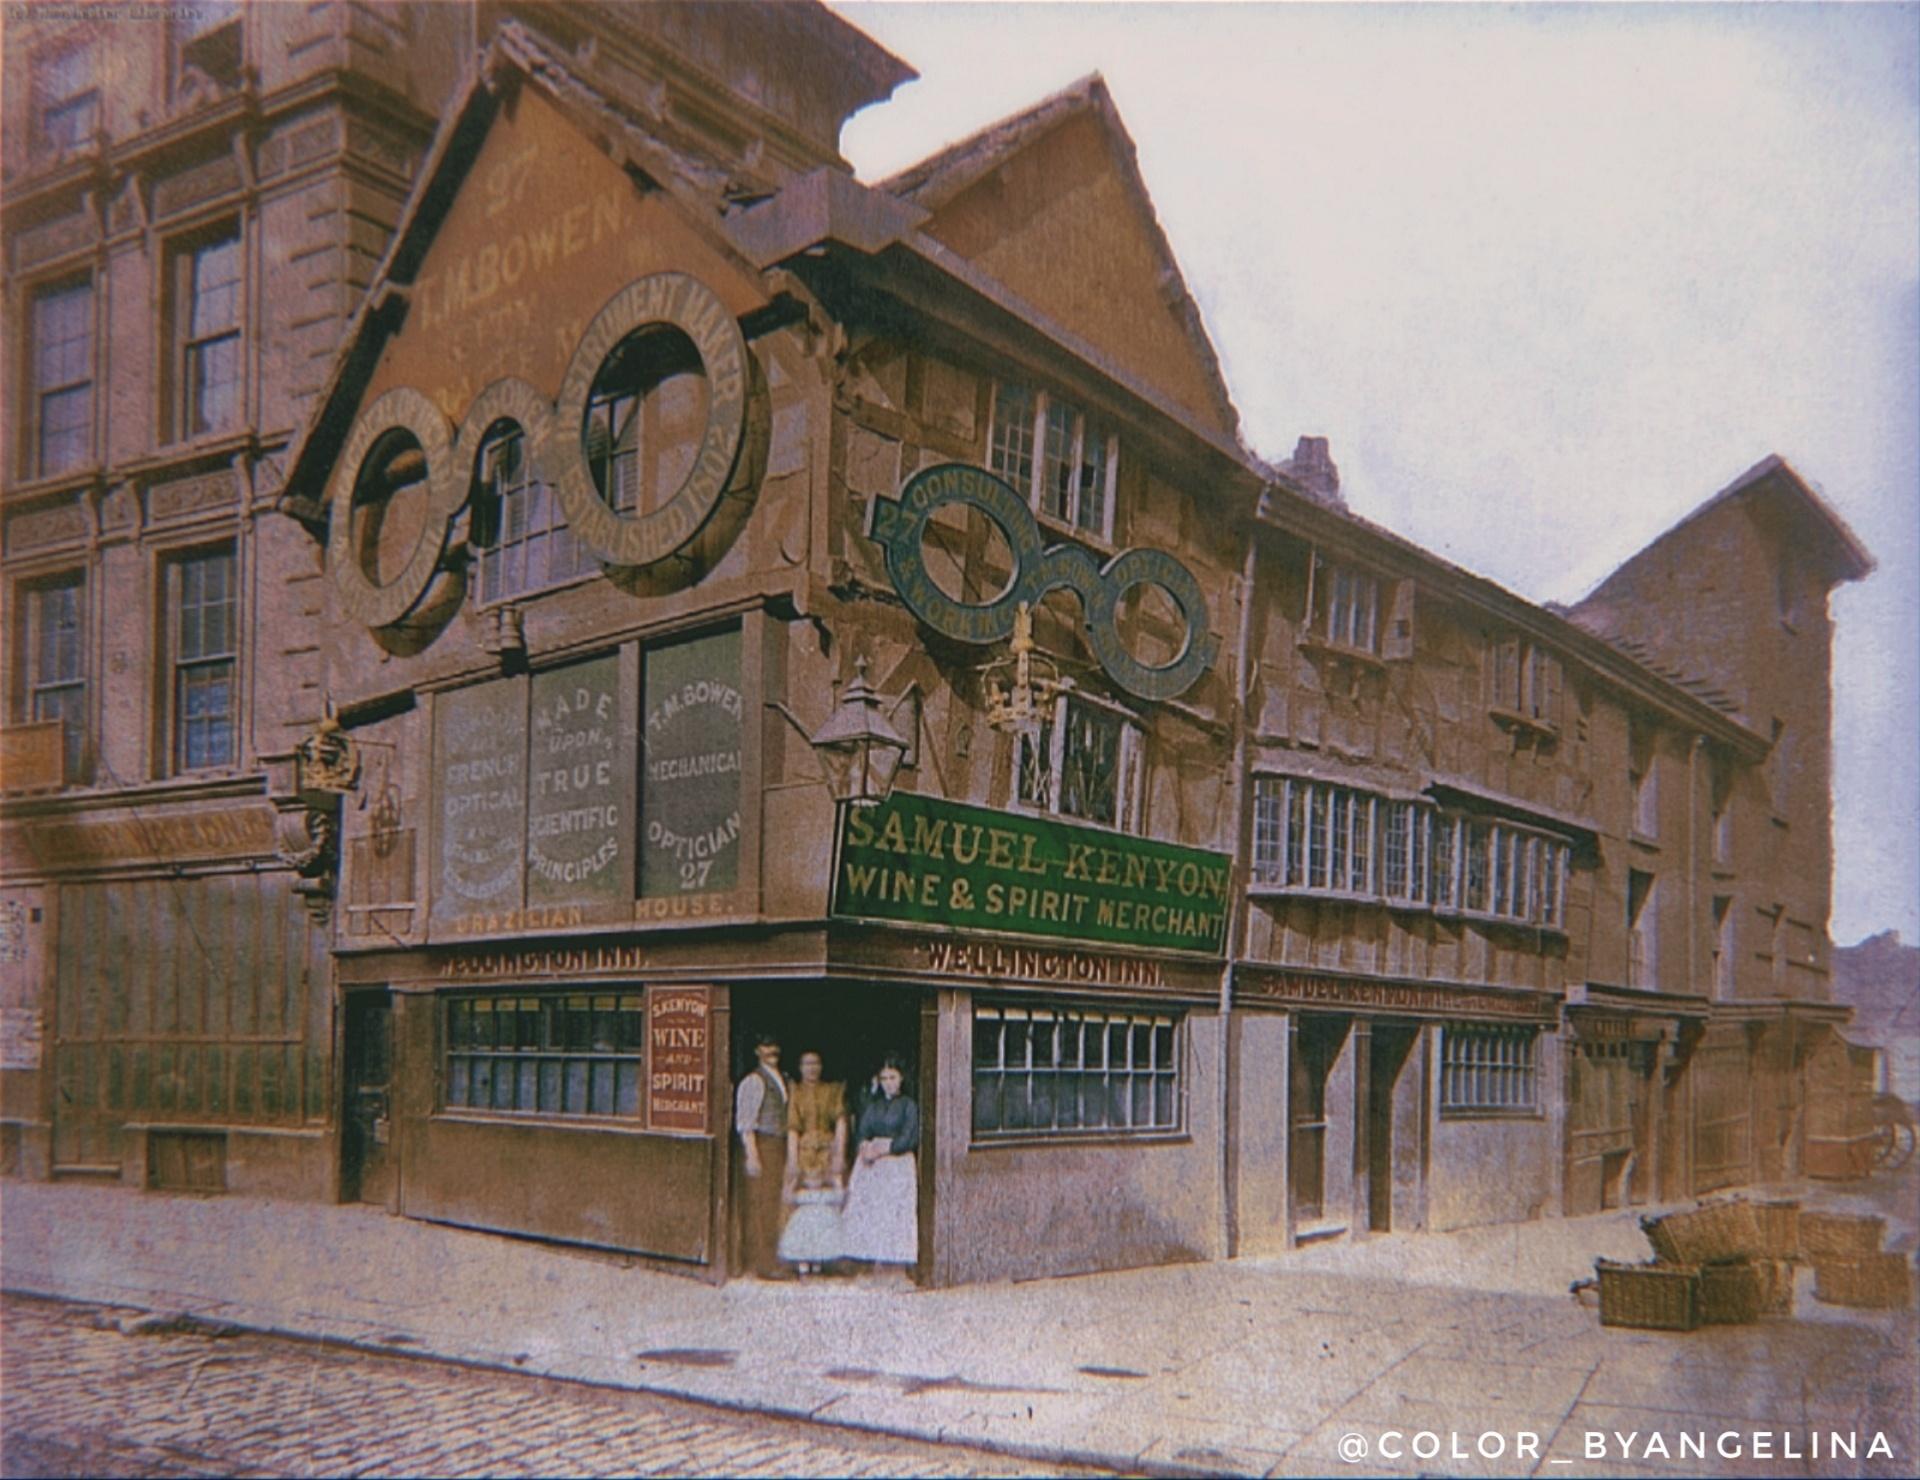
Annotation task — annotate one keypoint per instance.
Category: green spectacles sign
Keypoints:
(919, 860)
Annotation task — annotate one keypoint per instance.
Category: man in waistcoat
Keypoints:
(760, 1120)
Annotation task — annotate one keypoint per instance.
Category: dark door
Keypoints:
(1317, 1042)
(367, 1168)
(1388, 1049)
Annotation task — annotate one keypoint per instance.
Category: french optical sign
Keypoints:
(920, 860)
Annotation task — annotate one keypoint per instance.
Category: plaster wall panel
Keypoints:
(1085, 1207)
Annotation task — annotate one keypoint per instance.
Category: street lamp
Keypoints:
(858, 744)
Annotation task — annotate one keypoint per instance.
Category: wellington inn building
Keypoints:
(523, 575)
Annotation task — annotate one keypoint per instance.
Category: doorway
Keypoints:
(851, 1027)
(367, 1165)
(1317, 1045)
(1393, 1124)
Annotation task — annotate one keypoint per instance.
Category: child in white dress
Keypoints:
(812, 1236)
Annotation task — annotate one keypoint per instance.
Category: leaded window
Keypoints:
(645, 419)
(1319, 837)
(1403, 852)
(571, 1054)
(1056, 457)
(1063, 1070)
(518, 527)
(1350, 607)
(1082, 760)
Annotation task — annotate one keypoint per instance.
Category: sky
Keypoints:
(1548, 277)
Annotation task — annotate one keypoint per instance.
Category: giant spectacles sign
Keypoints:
(899, 525)
(382, 565)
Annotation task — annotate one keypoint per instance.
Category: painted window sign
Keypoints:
(387, 537)
(534, 799)
(577, 789)
(898, 525)
(921, 860)
(690, 787)
(480, 770)
(678, 1049)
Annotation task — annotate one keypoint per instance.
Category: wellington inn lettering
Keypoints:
(993, 961)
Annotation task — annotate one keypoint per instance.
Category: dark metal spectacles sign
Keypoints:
(897, 526)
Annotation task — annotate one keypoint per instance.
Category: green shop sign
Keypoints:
(920, 860)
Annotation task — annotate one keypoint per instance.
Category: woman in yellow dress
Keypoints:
(816, 1168)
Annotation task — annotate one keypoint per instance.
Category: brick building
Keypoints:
(455, 507)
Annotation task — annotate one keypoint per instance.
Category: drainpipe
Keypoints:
(1693, 862)
(1241, 874)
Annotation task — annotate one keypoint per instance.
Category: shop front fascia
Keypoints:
(1398, 1104)
(1629, 1096)
(166, 996)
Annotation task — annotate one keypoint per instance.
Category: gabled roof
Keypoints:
(1288, 507)
(1849, 559)
(515, 57)
(944, 176)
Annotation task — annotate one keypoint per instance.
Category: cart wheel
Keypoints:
(1897, 1141)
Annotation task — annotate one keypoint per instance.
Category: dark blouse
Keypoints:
(896, 1120)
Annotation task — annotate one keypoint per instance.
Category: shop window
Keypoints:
(61, 378)
(1643, 960)
(203, 627)
(517, 526)
(1053, 1071)
(66, 98)
(555, 1054)
(1056, 457)
(51, 683)
(207, 307)
(1722, 946)
(1489, 1071)
(1083, 761)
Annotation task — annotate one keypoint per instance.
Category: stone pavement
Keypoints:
(1298, 1364)
(91, 1391)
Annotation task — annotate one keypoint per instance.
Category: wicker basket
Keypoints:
(1779, 1228)
(1664, 1247)
(1776, 1286)
(1830, 1236)
(1732, 1294)
(1651, 1297)
(1712, 1233)
(1874, 1282)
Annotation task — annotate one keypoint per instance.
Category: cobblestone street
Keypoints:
(86, 1390)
